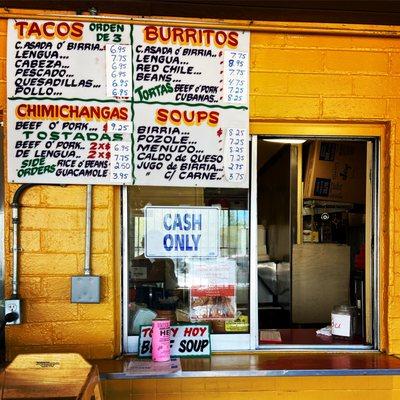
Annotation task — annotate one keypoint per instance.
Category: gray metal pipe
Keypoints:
(15, 249)
(15, 206)
(88, 233)
(15, 246)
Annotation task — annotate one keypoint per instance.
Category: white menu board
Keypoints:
(182, 111)
(105, 103)
(60, 117)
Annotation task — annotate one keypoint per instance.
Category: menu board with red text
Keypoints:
(104, 103)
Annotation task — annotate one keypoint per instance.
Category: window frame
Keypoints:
(375, 188)
(220, 342)
(250, 341)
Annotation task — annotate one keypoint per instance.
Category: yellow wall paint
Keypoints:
(296, 77)
(257, 388)
(53, 243)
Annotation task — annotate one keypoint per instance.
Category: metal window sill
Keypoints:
(267, 364)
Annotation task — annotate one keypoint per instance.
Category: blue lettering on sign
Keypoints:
(196, 222)
(181, 242)
(167, 223)
(185, 222)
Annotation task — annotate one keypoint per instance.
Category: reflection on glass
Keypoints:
(191, 289)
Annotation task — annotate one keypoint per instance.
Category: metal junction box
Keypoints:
(85, 289)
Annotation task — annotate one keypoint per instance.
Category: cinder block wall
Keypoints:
(53, 243)
(294, 77)
(256, 388)
(337, 79)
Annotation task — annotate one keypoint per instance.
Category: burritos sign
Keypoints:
(191, 340)
(172, 232)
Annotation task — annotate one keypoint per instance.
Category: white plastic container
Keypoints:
(343, 320)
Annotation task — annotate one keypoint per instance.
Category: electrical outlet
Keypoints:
(13, 306)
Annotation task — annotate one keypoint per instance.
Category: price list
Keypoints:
(119, 127)
(119, 70)
(236, 77)
(236, 143)
(180, 92)
(121, 163)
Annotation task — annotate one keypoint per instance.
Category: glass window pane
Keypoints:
(193, 289)
(311, 265)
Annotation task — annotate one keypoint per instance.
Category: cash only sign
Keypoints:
(101, 103)
(178, 232)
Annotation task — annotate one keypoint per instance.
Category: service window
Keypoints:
(315, 261)
(314, 203)
(188, 260)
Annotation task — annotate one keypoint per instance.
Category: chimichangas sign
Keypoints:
(100, 103)
(189, 340)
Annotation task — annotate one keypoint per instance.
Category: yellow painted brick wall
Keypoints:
(294, 77)
(52, 250)
(256, 388)
(317, 77)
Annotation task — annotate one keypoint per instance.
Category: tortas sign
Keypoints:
(94, 103)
